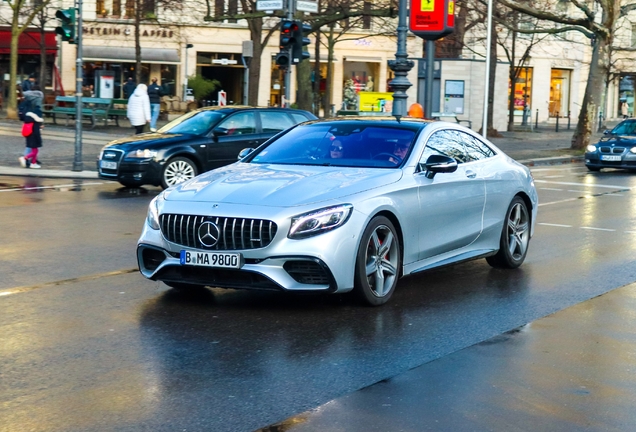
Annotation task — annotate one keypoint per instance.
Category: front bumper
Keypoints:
(139, 172)
(594, 160)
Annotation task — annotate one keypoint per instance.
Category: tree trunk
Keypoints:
(329, 83)
(593, 90)
(256, 29)
(491, 83)
(42, 78)
(317, 76)
(304, 93)
(12, 105)
(138, 6)
(512, 76)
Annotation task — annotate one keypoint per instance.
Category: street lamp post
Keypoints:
(401, 66)
(185, 72)
(79, 80)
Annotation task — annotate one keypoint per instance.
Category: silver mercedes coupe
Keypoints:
(342, 204)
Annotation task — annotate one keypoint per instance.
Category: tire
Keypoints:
(591, 168)
(177, 170)
(515, 237)
(378, 262)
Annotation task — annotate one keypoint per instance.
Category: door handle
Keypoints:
(471, 174)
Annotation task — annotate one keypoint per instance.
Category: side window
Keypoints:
(275, 121)
(475, 149)
(239, 124)
(298, 118)
(445, 143)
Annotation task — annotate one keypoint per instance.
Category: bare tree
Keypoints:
(601, 32)
(22, 15)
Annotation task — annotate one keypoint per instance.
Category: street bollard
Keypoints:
(568, 120)
(557, 121)
(536, 120)
(600, 121)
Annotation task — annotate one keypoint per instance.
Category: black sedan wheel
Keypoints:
(177, 171)
(515, 237)
(378, 262)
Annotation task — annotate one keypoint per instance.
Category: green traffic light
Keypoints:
(67, 24)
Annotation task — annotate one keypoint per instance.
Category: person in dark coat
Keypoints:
(154, 94)
(28, 83)
(129, 88)
(33, 141)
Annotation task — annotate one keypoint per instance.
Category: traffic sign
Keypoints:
(222, 98)
(269, 5)
(432, 19)
(307, 6)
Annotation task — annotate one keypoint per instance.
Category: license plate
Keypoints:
(610, 158)
(211, 259)
(108, 164)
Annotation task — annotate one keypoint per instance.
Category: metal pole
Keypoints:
(290, 16)
(401, 66)
(487, 74)
(557, 122)
(430, 64)
(77, 160)
(246, 79)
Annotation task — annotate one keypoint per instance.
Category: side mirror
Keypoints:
(606, 132)
(219, 131)
(245, 152)
(439, 164)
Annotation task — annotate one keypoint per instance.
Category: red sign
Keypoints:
(432, 19)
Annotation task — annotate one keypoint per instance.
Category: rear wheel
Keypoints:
(515, 237)
(177, 171)
(378, 262)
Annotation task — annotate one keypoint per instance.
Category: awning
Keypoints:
(127, 55)
(363, 59)
(28, 42)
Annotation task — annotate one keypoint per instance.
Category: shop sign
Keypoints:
(116, 31)
(432, 19)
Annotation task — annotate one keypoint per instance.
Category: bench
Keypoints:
(118, 109)
(94, 109)
(453, 116)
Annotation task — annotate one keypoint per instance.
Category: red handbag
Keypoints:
(27, 129)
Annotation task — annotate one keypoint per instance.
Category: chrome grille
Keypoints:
(615, 150)
(235, 233)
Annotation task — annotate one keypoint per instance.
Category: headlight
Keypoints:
(632, 150)
(141, 154)
(319, 221)
(153, 212)
(591, 148)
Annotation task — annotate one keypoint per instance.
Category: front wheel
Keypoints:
(515, 237)
(378, 262)
(177, 171)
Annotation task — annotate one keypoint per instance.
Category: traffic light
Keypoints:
(287, 29)
(67, 24)
(282, 59)
(299, 41)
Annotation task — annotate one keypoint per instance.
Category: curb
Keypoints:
(557, 160)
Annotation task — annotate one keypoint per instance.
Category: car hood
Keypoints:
(280, 185)
(148, 141)
(622, 140)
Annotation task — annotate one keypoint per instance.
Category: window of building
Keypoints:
(100, 7)
(633, 35)
(366, 19)
(522, 90)
(219, 7)
(130, 8)
(559, 93)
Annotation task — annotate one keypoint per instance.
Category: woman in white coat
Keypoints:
(139, 108)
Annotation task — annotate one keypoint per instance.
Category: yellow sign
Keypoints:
(451, 7)
(428, 5)
(376, 101)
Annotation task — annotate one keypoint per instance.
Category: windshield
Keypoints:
(339, 144)
(625, 128)
(195, 123)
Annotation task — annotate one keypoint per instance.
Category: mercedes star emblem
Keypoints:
(208, 234)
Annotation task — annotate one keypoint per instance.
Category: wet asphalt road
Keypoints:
(88, 345)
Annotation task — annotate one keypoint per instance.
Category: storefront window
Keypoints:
(359, 77)
(522, 90)
(626, 94)
(559, 93)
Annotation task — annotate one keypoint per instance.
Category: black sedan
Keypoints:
(617, 149)
(196, 142)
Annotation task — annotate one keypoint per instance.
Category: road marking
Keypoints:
(555, 176)
(577, 191)
(48, 187)
(555, 225)
(557, 202)
(597, 229)
(23, 289)
(623, 188)
(552, 189)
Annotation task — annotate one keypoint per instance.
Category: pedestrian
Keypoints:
(31, 102)
(28, 83)
(129, 88)
(625, 109)
(139, 108)
(33, 123)
(154, 95)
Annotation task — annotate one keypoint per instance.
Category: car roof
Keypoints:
(234, 108)
(380, 121)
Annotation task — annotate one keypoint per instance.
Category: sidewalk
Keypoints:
(58, 152)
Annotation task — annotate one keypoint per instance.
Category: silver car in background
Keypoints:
(339, 205)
